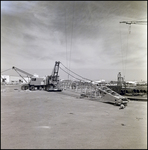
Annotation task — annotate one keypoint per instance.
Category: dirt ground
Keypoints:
(62, 120)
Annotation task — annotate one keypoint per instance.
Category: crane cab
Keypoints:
(37, 81)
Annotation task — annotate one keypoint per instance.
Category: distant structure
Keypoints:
(134, 22)
(120, 79)
(8, 79)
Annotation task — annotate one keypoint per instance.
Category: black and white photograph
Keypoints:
(73, 74)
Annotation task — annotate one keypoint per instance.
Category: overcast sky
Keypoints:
(85, 36)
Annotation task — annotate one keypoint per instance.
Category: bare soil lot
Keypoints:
(61, 120)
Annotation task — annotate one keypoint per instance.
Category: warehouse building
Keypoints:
(8, 79)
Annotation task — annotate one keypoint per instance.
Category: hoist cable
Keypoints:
(76, 73)
(6, 70)
(71, 39)
(126, 52)
(70, 74)
(121, 48)
(66, 37)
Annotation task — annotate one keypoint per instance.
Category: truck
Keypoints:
(47, 83)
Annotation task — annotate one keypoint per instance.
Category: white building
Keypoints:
(5, 78)
(8, 79)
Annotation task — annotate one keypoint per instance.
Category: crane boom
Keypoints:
(17, 69)
(134, 22)
(55, 71)
(28, 74)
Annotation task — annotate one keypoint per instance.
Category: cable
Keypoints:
(126, 52)
(66, 37)
(21, 75)
(6, 70)
(70, 74)
(76, 74)
(121, 48)
(71, 40)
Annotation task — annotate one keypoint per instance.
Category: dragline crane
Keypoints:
(48, 83)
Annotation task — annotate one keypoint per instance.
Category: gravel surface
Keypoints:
(62, 120)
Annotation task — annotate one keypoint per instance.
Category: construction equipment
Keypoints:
(112, 96)
(107, 95)
(91, 89)
(134, 22)
(47, 83)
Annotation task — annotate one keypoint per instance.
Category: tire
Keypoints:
(32, 88)
(50, 87)
(141, 91)
(40, 88)
(22, 88)
(26, 87)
